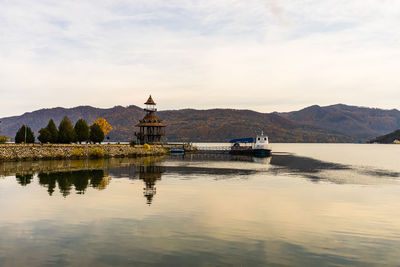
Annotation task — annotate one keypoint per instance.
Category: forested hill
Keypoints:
(184, 125)
(359, 122)
(387, 138)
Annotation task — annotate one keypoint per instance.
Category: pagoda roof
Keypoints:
(150, 120)
(150, 101)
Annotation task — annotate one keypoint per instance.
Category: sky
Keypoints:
(265, 55)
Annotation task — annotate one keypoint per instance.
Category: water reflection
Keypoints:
(79, 179)
(24, 179)
(205, 211)
(80, 175)
(313, 169)
(150, 174)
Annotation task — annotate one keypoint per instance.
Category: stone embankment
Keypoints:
(67, 151)
(10, 168)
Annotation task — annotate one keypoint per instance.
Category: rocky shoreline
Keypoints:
(16, 152)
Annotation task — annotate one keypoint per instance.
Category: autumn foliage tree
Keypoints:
(104, 125)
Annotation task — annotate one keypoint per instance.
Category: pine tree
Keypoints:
(24, 134)
(96, 134)
(82, 131)
(52, 128)
(44, 135)
(66, 132)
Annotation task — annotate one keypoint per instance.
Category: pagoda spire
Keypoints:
(150, 101)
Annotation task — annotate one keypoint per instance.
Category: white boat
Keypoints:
(258, 147)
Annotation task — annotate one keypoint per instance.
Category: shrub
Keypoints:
(96, 152)
(96, 134)
(3, 139)
(66, 132)
(78, 152)
(59, 155)
(24, 134)
(82, 131)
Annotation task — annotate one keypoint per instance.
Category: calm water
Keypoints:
(309, 204)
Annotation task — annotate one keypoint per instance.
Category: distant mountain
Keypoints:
(359, 122)
(226, 124)
(387, 138)
(214, 125)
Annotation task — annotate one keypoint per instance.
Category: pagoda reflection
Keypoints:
(147, 169)
(150, 174)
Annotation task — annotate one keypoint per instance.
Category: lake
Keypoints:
(307, 205)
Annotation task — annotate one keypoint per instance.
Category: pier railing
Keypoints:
(214, 148)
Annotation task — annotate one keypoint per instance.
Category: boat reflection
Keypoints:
(221, 157)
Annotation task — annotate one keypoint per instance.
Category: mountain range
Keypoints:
(359, 122)
(336, 123)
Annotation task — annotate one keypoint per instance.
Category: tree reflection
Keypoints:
(69, 176)
(24, 179)
(80, 180)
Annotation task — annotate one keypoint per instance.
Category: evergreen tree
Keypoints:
(82, 131)
(52, 128)
(96, 134)
(23, 133)
(66, 132)
(44, 135)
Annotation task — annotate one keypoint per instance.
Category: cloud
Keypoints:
(284, 54)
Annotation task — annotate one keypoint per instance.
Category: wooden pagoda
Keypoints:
(151, 129)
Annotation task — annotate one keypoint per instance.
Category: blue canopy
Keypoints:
(242, 140)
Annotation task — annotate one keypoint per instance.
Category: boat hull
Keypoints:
(253, 152)
(262, 152)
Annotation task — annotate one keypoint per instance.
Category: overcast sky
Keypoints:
(266, 55)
